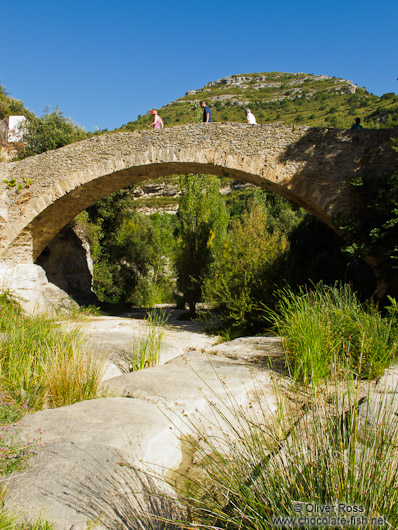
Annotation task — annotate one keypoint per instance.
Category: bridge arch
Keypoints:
(307, 166)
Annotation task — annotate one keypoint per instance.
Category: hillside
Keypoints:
(276, 97)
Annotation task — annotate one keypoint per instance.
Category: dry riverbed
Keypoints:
(95, 455)
(72, 478)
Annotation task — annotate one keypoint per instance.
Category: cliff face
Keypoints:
(163, 196)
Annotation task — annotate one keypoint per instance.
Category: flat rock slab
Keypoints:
(189, 381)
(72, 478)
(113, 338)
(263, 350)
(389, 381)
(84, 444)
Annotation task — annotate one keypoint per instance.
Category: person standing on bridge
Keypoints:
(157, 121)
(357, 125)
(251, 120)
(206, 112)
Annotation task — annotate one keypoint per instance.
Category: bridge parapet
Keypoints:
(309, 166)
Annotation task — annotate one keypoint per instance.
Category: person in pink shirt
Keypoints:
(157, 121)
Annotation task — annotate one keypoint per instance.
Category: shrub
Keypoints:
(201, 228)
(244, 275)
(51, 131)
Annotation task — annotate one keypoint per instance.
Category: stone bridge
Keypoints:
(308, 166)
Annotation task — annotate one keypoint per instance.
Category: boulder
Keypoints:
(188, 382)
(30, 286)
(378, 413)
(83, 468)
(389, 381)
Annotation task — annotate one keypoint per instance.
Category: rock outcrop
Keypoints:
(68, 264)
(30, 286)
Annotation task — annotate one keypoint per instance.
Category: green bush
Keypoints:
(373, 230)
(202, 221)
(132, 252)
(246, 270)
(51, 131)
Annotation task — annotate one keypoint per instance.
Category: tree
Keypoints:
(373, 229)
(131, 251)
(50, 131)
(10, 106)
(247, 270)
(202, 224)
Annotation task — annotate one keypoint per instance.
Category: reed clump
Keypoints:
(326, 329)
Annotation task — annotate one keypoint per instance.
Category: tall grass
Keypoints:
(327, 329)
(70, 375)
(41, 365)
(147, 347)
(258, 471)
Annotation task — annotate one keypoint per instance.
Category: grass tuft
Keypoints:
(264, 472)
(146, 348)
(327, 329)
(41, 365)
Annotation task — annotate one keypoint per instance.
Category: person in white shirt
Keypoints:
(250, 117)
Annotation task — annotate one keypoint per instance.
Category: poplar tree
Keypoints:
(201, 228)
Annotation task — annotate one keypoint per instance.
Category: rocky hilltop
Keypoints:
(278, 97)
(264, 81)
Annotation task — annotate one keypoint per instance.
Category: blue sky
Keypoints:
(104, 62)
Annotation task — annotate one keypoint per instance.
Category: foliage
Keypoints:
(146, 348)
(249, 266)
(10, 106)
(202, 223)
(10, 183)
(373, 230)
(51, 131)
(13, 451)
(9, 521)
(326, 329)
(70, 374)
(41, 365)
(131, 251)
(10, 409)
(158, 285)
(317, 254)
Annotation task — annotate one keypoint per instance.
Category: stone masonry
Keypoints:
(308, 166)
